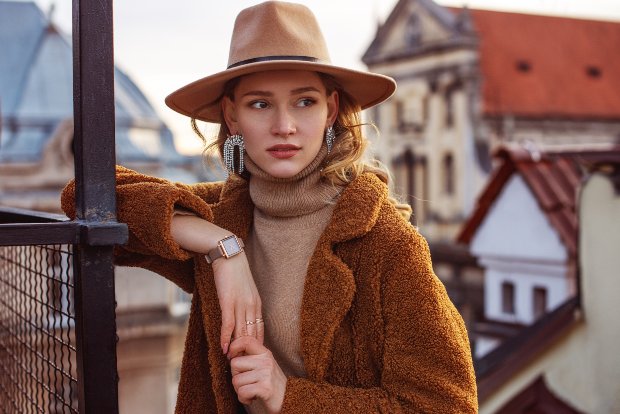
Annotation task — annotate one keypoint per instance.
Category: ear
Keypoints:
(230, 114)
(333, 104)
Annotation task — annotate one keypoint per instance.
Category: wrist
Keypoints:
(226, 248)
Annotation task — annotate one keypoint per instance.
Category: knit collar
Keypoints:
(304, 193)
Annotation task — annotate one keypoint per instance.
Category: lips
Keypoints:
(283, 150)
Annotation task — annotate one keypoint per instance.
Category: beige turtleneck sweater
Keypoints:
(289, 217)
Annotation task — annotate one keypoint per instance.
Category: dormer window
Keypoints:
(594, 72)
(523, 66)
(413, 31)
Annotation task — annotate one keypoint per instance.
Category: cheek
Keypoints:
(317, 133)
(252, 133)
(252, 144)
(314, 126)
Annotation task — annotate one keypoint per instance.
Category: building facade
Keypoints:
(567, 361)
(471, 80)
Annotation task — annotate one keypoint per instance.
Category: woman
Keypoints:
(321, 296)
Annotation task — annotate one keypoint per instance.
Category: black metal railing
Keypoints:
(57, 307)
(37, 323)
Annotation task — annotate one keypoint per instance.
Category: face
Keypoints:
(282, 116)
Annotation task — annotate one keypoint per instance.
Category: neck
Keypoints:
(304, 193)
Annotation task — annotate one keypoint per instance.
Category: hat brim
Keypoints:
(201, 99)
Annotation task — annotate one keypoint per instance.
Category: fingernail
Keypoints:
(225, 348)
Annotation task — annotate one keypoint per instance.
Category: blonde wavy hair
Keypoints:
(346, 160)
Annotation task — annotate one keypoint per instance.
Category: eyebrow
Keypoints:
(296, 91)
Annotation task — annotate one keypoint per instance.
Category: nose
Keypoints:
(283, 124)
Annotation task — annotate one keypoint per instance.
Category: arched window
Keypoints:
(449, 102)
(448, 174)
(413, 30)
(405, 170)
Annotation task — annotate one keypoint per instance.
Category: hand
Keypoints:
(256, 374)
(236, 290)
(239, 300)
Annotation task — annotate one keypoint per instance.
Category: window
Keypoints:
(594, 72)
(400, 114)
(406, 171)
(508, 298)
(523, 66)
(540, 302)
(448, 174)
(413, 30)
(411, 113)
(449, 102)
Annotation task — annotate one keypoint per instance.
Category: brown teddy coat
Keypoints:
(378, 331)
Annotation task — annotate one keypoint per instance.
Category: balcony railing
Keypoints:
(57, 309)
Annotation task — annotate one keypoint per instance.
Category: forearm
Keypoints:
(195, 234)
(237, 293)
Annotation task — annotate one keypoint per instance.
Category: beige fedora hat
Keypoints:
(276, 36)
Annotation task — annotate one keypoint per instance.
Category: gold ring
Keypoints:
(249, 323)
(259, 320)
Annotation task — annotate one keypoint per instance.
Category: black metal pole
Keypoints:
(93, 95)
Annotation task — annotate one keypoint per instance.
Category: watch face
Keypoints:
(231, 246)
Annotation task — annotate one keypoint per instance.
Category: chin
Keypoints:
(283, 173)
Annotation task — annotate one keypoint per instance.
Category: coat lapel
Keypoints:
(329, 288)
(330, 284)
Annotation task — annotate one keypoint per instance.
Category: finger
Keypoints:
(245, 363)
(228, 327)
(260, 329)
(245, 378)
(240, 326)
(259, 322)
(245, 345)
(250, 323)
(248, 393)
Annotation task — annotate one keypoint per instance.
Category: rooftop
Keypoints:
(552, 175)
(548, 67)
(36, 93)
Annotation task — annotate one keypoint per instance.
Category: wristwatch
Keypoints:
(227, 247)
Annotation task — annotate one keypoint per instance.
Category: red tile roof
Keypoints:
(552, 67)
(553, 176)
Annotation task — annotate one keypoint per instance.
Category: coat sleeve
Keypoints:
(146, 204)
(427, 364)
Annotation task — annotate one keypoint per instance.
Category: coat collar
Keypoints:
(355, 214)
(330, 285)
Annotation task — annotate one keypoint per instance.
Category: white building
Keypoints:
(523, 232)
(568, 361)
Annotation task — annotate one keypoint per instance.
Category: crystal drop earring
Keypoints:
(229, 152)
(330, 136)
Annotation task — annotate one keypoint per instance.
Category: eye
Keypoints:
(258, 104)
(306, 102)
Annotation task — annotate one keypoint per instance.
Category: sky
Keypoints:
(163, 44)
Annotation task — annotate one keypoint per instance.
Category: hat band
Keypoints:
(269, 58)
